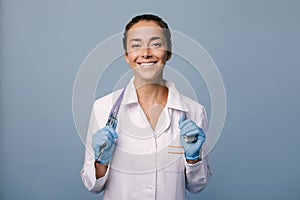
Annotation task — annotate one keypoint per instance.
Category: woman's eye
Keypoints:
(135, 46)
(156, 44)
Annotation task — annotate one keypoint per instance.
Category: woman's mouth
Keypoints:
(146, 63)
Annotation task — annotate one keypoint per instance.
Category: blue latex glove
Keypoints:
(106, 135)
(188, 127)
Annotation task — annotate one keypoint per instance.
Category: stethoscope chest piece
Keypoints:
(190, 138)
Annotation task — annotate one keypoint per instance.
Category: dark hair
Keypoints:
(149, 17)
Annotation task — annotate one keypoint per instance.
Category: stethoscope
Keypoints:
(113, 117)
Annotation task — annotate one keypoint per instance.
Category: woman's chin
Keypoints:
(146, 78)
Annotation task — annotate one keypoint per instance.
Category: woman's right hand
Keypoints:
(106, 138)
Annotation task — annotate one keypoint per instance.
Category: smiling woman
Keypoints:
(157, 128)
(146, 52)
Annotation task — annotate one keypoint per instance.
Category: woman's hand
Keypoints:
(189, 128)
(103, 143)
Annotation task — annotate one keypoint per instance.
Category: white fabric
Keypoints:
(145, 164)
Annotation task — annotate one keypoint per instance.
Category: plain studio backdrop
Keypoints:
(255, 45)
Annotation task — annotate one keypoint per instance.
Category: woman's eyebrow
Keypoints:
(139, 40)
(135, 40)
(155, 38)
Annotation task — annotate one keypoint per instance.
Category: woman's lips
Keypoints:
(146, 63)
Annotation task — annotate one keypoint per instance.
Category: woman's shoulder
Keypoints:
(107, 100)
(192, 104)
(196, 111)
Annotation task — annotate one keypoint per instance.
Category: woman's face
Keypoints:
(146, 50)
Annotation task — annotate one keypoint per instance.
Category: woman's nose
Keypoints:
(146, 52)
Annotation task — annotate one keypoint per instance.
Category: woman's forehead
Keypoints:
(145, 33)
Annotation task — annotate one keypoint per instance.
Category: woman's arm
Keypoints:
(93, 175)
(198, 172)
(100, 170)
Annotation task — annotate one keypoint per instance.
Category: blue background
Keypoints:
(254, 43)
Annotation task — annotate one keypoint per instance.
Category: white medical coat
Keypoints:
(147, 164)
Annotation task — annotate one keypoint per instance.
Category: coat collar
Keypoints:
(174, 101)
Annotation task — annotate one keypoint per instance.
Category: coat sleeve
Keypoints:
(197, 175)
(88, 174)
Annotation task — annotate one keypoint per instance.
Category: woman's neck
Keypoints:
(152, 93)
(152, 98)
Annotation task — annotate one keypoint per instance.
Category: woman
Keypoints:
(146, 153)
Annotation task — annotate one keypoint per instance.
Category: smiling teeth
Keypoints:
(147, 64)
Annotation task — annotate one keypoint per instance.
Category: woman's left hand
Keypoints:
(189, 128)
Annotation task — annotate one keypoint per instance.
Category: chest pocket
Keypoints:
(175, 165)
